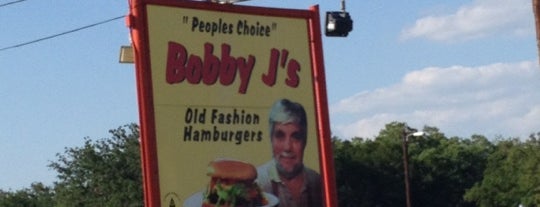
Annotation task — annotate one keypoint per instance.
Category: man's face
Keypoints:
(288, 148)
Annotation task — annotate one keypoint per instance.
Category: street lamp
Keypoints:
(407, 132)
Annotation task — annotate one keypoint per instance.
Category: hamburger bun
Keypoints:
(232, 169)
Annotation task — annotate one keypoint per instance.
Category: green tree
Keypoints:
(369, 172)
(38, 195)
(443, 168)
(511, 176)
(105, 172)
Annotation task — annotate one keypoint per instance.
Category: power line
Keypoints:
(9, 3)
(60, 34)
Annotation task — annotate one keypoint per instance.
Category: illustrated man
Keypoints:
(285, 176)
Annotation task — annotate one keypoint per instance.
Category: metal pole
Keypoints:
(406, 167)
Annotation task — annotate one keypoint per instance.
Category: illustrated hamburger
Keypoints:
(232, 185)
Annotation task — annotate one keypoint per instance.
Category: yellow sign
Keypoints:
(222, 85)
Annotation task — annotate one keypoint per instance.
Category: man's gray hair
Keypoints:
(285, 111)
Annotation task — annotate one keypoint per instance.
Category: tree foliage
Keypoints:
(444, 171)
(370, 171)
(512, 175)
(38, 195)
(105, 172)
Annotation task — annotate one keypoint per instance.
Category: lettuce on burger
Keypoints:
(232, 185)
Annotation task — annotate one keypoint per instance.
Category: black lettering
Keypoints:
(206, 135)
(259, 136)
(196, 136)
(216, 134)
(189, 116)
(187, 133)
(238, 138)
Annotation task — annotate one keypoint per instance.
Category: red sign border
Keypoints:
(138, 25)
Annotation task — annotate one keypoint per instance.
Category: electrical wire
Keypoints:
(60, 34)
(9, 3)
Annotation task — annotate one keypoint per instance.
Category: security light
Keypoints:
(338, 23)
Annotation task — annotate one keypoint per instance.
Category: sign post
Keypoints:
(214, 82)
(536, 12)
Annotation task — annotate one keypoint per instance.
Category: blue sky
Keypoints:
(466, 67)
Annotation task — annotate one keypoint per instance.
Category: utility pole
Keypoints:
(406, 133)
(404, 146)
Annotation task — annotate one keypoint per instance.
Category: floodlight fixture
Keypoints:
(338, 23)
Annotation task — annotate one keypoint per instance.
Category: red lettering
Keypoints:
(176, 60)
(245, 68)
(209, 68)
(292, 76)
(193, 69)
(291, 66)
(270, 77)
(228, 66)
(211, 65)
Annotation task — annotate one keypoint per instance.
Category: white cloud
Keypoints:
(497, 99)
(478, 19)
